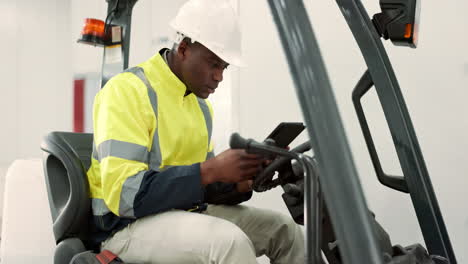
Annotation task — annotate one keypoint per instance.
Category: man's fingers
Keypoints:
(244, 177)
(246, 155)
(250, 173)
(247, 164)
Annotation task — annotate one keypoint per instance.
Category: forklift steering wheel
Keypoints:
(264, 180)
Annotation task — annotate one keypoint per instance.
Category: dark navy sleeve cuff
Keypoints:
(225, 193)
(175, 188)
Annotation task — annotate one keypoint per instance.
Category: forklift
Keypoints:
(336, 218)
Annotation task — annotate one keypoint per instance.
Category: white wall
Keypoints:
(433, 79)
(36, 74)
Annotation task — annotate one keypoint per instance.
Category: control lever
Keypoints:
(255, 147)
(311, 187)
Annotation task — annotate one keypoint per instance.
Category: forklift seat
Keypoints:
(66, 159)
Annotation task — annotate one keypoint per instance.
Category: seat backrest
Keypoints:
(66, 160)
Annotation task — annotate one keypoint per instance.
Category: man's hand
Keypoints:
(232, 165)
(244, 186)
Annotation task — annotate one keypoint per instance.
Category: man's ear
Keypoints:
(182, 49)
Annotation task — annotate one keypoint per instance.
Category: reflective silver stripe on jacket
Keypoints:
(208, 120)
(121, 149)
(155, 157)
(99, 207)
(127, 195)
(127, 198)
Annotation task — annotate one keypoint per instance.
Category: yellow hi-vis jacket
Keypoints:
(149, 141)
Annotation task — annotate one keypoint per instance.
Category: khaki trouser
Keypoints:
(222, 234)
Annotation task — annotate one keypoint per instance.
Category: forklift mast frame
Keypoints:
(345, 200)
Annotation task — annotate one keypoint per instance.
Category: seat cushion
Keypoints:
(27, 235)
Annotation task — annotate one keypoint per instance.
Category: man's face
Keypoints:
(202, 70)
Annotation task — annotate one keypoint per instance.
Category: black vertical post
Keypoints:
(338, 176)
(115, 59)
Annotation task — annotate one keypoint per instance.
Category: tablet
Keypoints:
(285, 133)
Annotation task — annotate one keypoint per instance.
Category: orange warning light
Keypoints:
(93, 32)
(93, 27)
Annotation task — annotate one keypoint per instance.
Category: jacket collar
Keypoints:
(174, 85)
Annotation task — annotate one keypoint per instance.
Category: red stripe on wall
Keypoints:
(78, 106)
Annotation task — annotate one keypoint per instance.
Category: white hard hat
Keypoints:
(214, 24)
